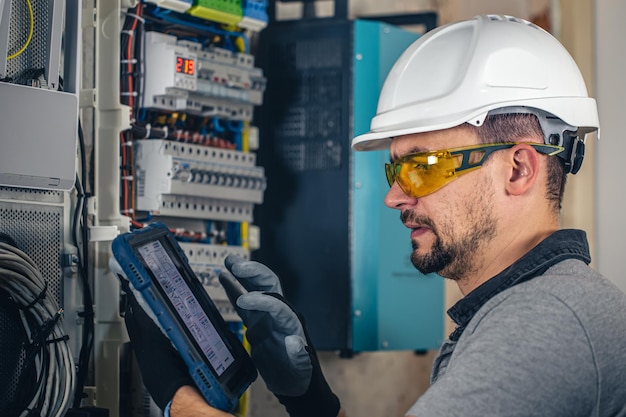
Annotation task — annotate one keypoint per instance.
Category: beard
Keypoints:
(434, 261)
(453, 253)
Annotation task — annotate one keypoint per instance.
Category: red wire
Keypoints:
(129, 63)
(124, 174)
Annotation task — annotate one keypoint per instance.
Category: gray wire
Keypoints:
(22, 279)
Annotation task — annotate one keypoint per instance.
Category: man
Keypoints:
(483, 120)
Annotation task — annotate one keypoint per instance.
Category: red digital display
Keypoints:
(185, 65)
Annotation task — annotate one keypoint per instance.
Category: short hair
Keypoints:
(515, 126)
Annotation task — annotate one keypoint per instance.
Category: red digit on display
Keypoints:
(189, 70)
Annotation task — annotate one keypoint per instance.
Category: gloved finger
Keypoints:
(231, 286)
(254, 276)
(283, 319)
(298, 356)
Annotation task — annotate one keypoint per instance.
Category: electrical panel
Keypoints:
(187, 151)
(343, 257)
(187, 156)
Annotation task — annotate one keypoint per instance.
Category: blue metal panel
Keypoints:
(394, 306)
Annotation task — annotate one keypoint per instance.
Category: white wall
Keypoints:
(610, 190)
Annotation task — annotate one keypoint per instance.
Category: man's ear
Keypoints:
(524, 169)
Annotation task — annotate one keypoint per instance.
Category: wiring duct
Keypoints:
(131, 71)
(47, 380)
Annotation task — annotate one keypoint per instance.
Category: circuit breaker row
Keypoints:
(197, 181)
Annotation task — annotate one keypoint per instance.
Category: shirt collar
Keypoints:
(561, 245)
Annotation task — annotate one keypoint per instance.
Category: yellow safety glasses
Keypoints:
(422, 173)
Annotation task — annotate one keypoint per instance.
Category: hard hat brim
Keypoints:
(583, 115)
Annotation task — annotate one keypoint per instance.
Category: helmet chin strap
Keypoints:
(555, 132)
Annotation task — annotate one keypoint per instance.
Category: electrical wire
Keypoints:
(126, 174)
(48, 354)
(131, 93)
(30, 32)
(79, 223)
(130, 65)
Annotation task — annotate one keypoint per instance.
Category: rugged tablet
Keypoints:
(164, 284)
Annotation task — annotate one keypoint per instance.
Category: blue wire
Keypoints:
(236, 126)
(145, 220)
(216, 125)
(231, 125)
(238, 141)
(234, 234)
(141, 116)
(209, 225)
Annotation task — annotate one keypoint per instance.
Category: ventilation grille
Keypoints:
(27, 194)
(38, 232)
(35, 55)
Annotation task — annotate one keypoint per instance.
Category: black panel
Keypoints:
(304, 127)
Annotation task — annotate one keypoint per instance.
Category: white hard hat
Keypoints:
(460, 72)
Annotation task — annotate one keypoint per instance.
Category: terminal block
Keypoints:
(254, 14)
(223, 11)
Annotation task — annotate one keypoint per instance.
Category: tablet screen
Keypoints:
(173, 285)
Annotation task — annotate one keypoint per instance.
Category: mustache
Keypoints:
(412, 218)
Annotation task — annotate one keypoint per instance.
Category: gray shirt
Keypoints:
(549, 345)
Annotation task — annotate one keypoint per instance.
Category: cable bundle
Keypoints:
(47, 356)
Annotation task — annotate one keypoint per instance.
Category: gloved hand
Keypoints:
(162, 369)
(280, 346)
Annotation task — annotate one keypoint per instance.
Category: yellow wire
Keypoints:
(244, 402)
(30, 32)
(243, 407)
(245, 143)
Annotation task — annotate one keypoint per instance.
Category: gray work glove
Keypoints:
(280, 346)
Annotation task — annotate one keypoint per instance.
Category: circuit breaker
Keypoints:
(342, 256)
